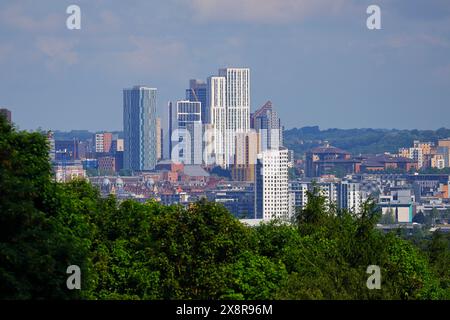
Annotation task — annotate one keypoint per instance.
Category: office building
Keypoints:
(139, 118)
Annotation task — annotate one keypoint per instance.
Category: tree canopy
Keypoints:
(132, 250)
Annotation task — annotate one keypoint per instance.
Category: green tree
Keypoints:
(388, 217)
(35, 247)
(434, 215)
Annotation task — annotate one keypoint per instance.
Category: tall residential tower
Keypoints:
(139, 123)
(228, 101)
(237, 102)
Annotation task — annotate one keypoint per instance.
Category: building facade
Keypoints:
(272, 200)
(139, 116)
(187, 132)
(247, 148)
(237, 102)
(267, 123)
(217, 107)
(103, 142)
(197, 93)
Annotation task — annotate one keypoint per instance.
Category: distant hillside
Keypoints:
(355, 141)
(358, 141)
(81, 135)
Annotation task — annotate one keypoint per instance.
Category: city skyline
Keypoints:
(316, 61)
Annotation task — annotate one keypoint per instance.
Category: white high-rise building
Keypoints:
(272, 196)
(187, 132)
(228, 100)
(341, 194)
(237, 102)
(351, 196)
(216, 103)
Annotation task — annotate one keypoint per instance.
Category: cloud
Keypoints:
(266, 11)
(15, 17)
(422, 39)
(57, 51)
(147, 54)
(105, 21)
(419, 9)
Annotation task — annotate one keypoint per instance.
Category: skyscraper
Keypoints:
(197, 93)
(187, 132)
(237, 103)
(159, 141)
(247, 150)
(266, 122)
(217, 107)
(139, 122)
(272, 197)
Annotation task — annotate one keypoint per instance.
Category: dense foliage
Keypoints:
(129, 250)
(359, 141)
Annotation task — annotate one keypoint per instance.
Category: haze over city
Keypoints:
(315, 60)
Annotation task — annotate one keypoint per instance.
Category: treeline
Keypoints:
(359, 141)
(130, 250)
(81, 135)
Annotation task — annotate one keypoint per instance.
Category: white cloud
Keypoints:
(149, 54)
(57, 50)
(266, 11)
(15, 17)
(422, 39)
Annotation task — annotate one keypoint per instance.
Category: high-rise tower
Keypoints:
(139, 123)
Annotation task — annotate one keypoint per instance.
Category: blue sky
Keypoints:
(314, 59)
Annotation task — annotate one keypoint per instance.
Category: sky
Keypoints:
(316, 60)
